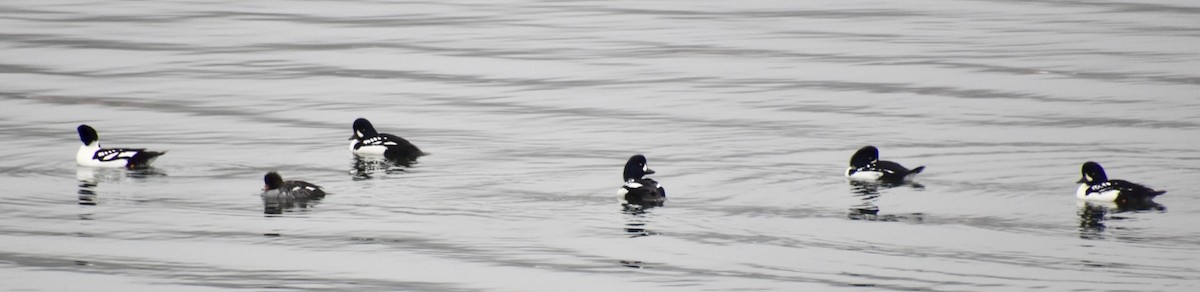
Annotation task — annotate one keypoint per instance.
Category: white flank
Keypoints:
(1081, 193)
(277, 197)
(84, 157)
(863, 175)
(369, 150)
(1106, 196)
(621, 195)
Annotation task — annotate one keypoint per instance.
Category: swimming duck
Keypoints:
(866, 166)
(366, 141)
(92, 155)
(638, 189)
(279, 194)
(1095, 186)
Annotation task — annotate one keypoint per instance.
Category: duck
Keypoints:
(90, 154)
(866, 166)
(279, 194)
(368, 142)
(1095, 186)
(638, 189)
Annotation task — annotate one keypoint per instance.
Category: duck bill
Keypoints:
(649, 171)
(1082, 180)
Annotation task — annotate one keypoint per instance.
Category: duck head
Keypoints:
(1092, 174)
(636, 168)
(864, 157)
(272, 181)
(87, 135)
(363, 128)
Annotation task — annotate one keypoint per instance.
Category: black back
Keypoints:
(1132, 194)
(304, 189)
(650, 194)
(403, 151)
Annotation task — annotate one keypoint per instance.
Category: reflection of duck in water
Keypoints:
(865, 166)
(869, 192)
(90, 177)
(1091, 220)
(1096, 187)
(1092, 215)
(92, 155)
(865, 189)
(88, 181)
(640, 191)
(367, 142)
(636, 219)
(362, 168)
(279, 194)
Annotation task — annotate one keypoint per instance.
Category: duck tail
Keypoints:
(912, 174)
(143, 159)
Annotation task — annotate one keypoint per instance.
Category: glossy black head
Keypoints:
(363, 128)
(1092, 173)
(865, 156)
(87, 135)
(636, 168)
(273, 181)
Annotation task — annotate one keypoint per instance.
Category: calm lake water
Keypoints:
(749, 111)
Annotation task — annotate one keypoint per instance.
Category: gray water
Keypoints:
(749, 111)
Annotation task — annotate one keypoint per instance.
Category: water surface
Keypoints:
(748, 111)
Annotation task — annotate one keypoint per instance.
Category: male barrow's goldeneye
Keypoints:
(92, 155)
(366, 141)
(638, 189)
(1095, 186)
(279, 194)
(866, 166)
